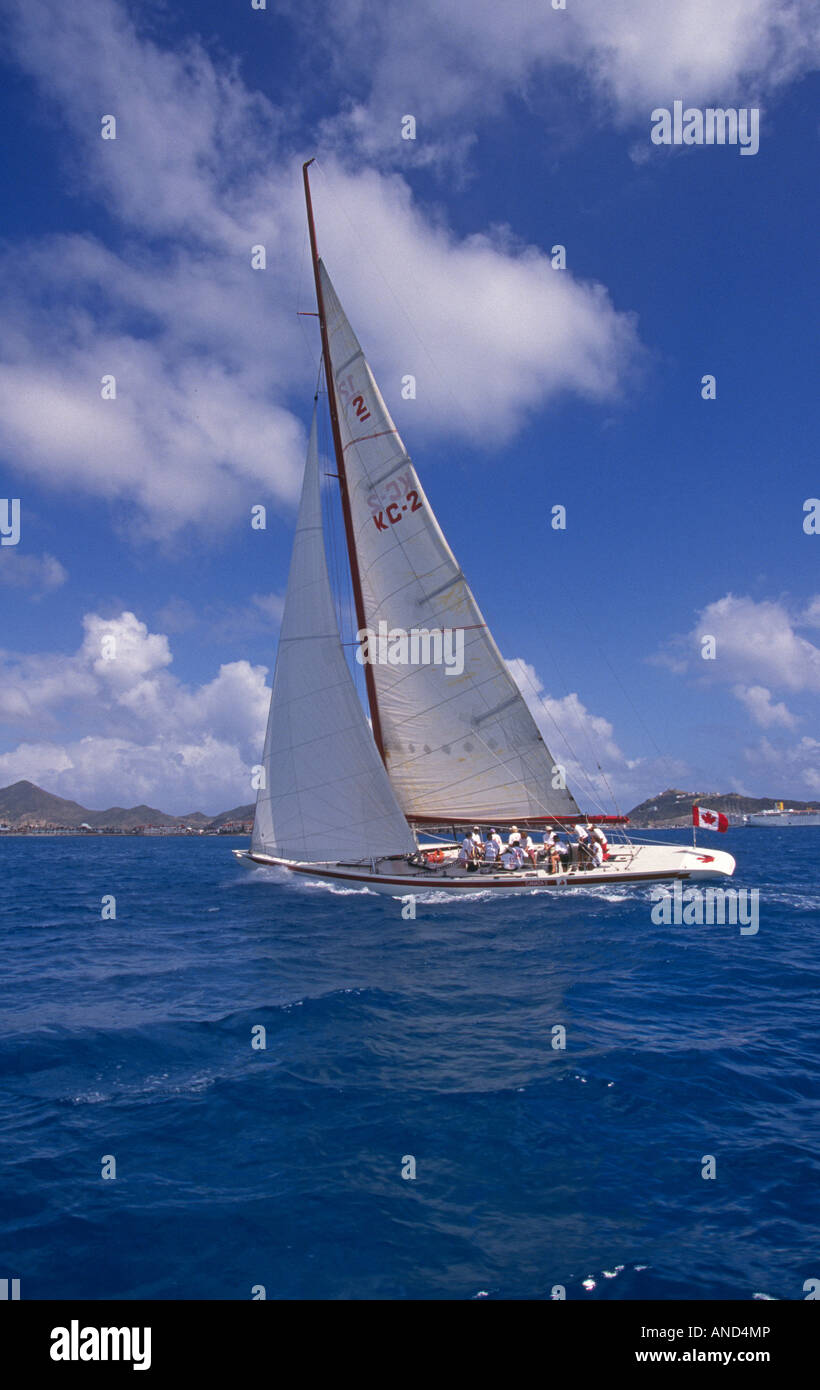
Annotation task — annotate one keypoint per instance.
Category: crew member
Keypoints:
(510, 857)
(467, 853)
(599, 838)
(580, 859)
(491, 850)
(527, 847)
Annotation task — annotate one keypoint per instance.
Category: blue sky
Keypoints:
(535, 386)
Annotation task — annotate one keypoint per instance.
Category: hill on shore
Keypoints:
(24, 803)
(674, 807)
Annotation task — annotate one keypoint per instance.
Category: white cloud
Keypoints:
(758, 701)
(697, 50)
(451, 63)
(139, 733)
(32, 687)
(522, 331)
(756, 644)
(121, 651)
(759, 650)
(192, 433)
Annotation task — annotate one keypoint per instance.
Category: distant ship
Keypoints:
(781, 815)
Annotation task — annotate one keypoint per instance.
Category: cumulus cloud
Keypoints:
(760, 651)
(32, 687)
(209, 356)
(139, 734)
(122, 651)
(757, 643)
(523, 331)
(758, 701)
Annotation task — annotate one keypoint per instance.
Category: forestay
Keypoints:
(326, 794)
(456, 745)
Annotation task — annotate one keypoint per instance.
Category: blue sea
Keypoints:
(390, 1040)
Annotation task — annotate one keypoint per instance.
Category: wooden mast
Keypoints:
(358, 599)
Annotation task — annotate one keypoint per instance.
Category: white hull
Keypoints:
(636, 863)
(779, 818)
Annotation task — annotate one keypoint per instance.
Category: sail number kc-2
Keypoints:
(394, 511)
(388, 515)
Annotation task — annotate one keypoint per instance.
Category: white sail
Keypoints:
(326, 794)
(456, 745)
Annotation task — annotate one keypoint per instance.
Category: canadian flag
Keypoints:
(710, 820)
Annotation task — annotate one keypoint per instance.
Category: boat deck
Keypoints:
(633, 864)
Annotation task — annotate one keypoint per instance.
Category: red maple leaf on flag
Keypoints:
(710, 820)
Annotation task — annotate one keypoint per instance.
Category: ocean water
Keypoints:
(387, 1039)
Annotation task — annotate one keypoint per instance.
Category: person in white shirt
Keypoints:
(478, 842)
(580, 858)
(514, 835)
(509, 858)
(527, 847)
(600, 839)
(491, 851)
(499, 843)
(466, 854)
(551, 852)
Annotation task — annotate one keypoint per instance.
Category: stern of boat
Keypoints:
(708, 864)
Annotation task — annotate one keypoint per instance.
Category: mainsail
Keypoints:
(455, 745)
(326, 795)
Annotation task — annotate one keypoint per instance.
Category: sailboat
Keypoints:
(344, 799)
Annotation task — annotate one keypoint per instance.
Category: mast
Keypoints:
(358, 598)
